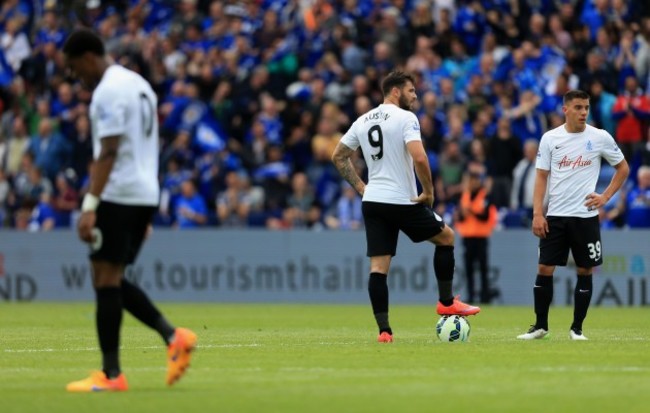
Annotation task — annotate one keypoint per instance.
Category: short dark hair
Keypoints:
(82, 41)
(397, 79)
(575, 94)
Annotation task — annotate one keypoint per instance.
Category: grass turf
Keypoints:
(310, 358)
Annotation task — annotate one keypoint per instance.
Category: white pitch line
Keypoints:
(594, 369)
(52, 350)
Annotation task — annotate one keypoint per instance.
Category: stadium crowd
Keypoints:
(254, 96)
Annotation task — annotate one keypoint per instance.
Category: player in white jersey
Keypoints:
(568, 165)
(389, 137)
(117, 210)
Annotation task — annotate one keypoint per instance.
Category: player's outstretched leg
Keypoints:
(179, 353)
(443, 266)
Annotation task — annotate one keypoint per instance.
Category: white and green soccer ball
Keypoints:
(451, 328)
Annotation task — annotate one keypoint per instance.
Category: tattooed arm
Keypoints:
(342, 161)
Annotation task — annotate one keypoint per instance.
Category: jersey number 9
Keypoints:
(376, 140)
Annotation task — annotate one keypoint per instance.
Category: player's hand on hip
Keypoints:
(424, 198)
(595, 200)
(540, 226)
(85, 226)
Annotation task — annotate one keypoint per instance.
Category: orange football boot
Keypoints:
(179, 353)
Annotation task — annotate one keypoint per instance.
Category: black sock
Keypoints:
(140, 306)
(581, 300)
(109, 320)
(378, 292)
(443, 265)
(543, 292)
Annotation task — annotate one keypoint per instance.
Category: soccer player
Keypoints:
(568, 163)
(119, 206)
(389, 136)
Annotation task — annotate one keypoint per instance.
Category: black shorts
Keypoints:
(384, 221)
(119, 232)
(579, 235)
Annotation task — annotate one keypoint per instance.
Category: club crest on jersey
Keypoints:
(578, 162)
(589, 146)
(102, 114)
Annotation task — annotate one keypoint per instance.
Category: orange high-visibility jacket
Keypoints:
(470, 226)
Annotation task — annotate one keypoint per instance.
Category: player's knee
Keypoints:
(545, 269)
(445, 238)
(107, 275)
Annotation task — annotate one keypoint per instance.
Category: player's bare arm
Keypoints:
(343, 163)
(423, 172)
(540, 226)
(596, 200)
(100, 170)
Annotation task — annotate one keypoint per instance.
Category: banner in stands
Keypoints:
(305, 267)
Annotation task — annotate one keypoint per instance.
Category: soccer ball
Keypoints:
(452, 328)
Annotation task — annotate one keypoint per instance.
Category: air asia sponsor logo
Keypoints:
(578, 162)
(634, 291)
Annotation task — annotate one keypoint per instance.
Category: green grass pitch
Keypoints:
(313, 358)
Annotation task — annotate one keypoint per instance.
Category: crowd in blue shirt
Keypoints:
(255, 94)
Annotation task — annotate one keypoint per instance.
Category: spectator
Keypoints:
(14, 43)
(625, 58)
(637, 207)
(523, 183)
(346, 212)
(66, 199)
(504, 152)
(51, 151)
(353, 58)
(172, 179)
(273, 176)
(602, 105)
(29, 185)
(4, 196)
(644, 154)
(475, 219)
(16, 146)
(327, 135)
(82, 147)
(233, 205)
(65, 110)
(449, 179)
(191, 210)
(43, 217)
(632, 112)
(302, 209)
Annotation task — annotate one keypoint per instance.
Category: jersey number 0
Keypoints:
(146, 112)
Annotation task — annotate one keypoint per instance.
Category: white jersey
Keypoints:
(573, 160)
(124, 104)
(383, 134)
